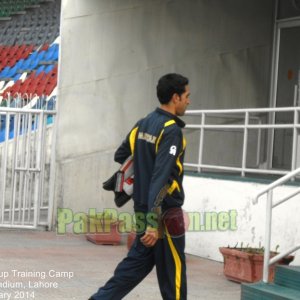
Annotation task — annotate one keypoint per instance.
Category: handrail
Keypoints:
(242, 126)
(241, 110)
(278, 257)
(270, 205)
(4, 110)
(293, 194)
(245, 125)
(276, 183)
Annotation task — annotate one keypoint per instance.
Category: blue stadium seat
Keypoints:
(19, 64)
(49, 69)
(34, 54)
(34, 64)
(11, 73)
(56, 54)
(40, 70)
(26, 64)
(4, 72)
(41, 55)
(17, 77)
(49, 53)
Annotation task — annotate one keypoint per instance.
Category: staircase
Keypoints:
(286, 286)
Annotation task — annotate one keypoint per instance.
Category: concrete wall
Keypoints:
(207, 196)
(114, 51)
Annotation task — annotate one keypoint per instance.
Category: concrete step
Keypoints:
(268, 291)
(288, 276)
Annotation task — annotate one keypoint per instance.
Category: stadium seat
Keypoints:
(11, 73)
(11, 61)
(49, 69)
(4, 72)
(17, 77)
(29, 48)
(25, 65)
(19, 64)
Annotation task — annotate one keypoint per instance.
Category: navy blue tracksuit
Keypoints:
(157, 145)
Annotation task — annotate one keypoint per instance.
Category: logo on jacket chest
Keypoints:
(147, 137)
(173, 150)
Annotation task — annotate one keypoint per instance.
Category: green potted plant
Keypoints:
(245, 264)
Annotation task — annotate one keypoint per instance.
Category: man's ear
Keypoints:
(175, 98)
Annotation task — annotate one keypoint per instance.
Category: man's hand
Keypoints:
(150, 237)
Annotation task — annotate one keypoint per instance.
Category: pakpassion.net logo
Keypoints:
(101, 222)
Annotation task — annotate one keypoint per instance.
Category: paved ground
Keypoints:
(43, 266)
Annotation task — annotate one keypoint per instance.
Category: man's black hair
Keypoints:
(170, 84)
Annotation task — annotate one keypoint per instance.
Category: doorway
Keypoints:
(286, 91)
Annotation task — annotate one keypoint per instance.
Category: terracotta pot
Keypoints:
(105, 234)
(241, 266)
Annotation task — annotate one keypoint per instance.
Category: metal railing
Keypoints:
(26, 166)
(246, 116)
(29, 101)
(270, 205)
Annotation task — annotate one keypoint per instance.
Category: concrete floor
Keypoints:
(74, 268)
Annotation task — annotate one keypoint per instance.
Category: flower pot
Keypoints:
(103, 232)
(242, 266)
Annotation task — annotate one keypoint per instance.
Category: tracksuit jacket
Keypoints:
(157, 145)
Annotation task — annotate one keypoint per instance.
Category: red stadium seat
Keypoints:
(50, 86)
(27, 51)
(45, 47)
(40, 90)
(11, 62)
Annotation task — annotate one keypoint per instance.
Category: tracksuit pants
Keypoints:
(168, 257)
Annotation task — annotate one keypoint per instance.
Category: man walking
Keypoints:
(157, 145)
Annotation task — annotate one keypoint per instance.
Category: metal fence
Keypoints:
(26, 165)
(242, 121)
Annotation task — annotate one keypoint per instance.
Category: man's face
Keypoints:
(182, 102)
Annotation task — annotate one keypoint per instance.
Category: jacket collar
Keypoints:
(178, 121)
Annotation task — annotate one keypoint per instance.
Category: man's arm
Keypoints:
(166, 156)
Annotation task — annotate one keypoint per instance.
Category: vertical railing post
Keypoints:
(4, 166)
(244, 157)
(13, 165)
(38, 166)
(258, 149)
(273, 88)
(201, 141)
(268, 236)
(295, 141)
(26, 197)
(52, 174)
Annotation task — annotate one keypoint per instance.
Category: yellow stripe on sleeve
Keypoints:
(132, 139)
(178, 163)
(171, 122)
(173, 186)
(158, 141)
(184, 143)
